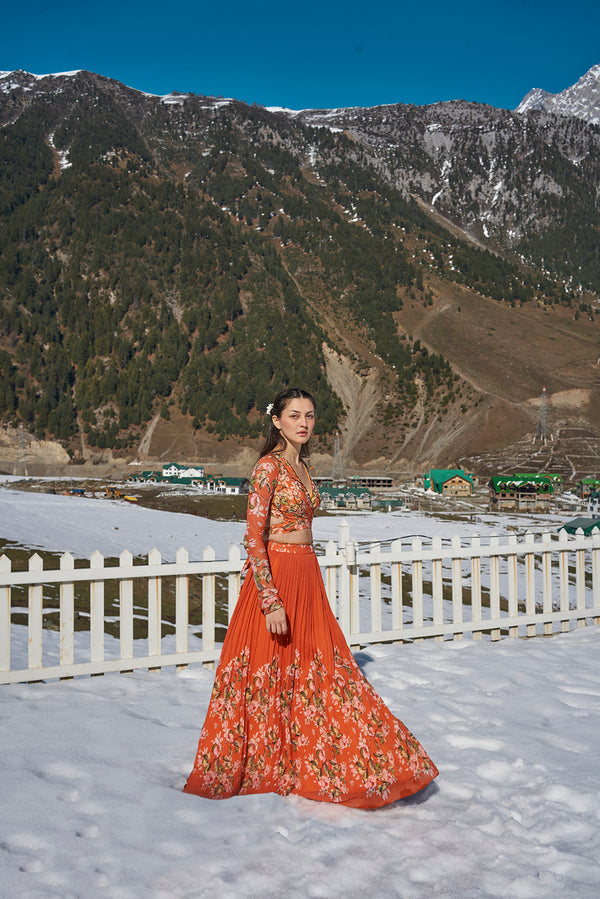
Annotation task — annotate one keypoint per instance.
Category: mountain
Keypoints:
(168, 263)
(582, 100)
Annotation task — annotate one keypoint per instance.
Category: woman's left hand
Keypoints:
(277, 621)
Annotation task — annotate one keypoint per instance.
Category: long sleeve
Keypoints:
(262, 486)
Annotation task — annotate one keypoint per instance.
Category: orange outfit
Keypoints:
(279, 504)
(293, 713)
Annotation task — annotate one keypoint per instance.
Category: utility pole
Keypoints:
(543, 427)
(337, 471)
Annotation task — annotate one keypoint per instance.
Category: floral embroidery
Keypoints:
(279, 503)
(298, 732)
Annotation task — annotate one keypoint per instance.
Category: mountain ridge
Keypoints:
(214, 239)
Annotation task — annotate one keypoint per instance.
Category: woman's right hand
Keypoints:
(277, 621)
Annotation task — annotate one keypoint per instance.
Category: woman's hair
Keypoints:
(274, 438)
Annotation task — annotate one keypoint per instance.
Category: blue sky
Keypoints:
(312, 54)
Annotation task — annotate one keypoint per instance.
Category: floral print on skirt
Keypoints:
(294, 713)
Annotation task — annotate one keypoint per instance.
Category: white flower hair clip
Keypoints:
(269, 408)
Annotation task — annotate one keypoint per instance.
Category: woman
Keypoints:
(290, 710)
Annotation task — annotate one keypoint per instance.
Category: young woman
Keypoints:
(290, 710)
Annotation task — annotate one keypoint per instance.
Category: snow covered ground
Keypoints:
(92, 769)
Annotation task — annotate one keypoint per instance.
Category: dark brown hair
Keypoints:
(274, 438)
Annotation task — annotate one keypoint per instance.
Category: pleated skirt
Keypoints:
(294, 713)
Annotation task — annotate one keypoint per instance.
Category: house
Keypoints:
(361, 480)
(173, 470)
(345, 498)
(521, 492)
(449, 482)
(364, 480)
(593, 503)
(230, 486)
(188, 476)
(216, 484)
(586, 486)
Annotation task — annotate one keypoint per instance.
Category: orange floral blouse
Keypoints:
(278, 503)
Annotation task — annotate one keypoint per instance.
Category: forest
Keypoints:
(142, 270)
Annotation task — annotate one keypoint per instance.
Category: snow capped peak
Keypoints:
(10, 81)
(535, 99)
(22, 73)
(582, 100)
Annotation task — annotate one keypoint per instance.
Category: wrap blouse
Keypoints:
(278, 503)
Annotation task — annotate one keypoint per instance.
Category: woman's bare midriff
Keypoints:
(304, 536)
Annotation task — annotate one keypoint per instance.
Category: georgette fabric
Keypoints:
(293, 713)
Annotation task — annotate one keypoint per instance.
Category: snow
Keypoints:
(15, 84)
(82, 525)
(63, 155)
(284, 109)
(93, 768)
(174, 99)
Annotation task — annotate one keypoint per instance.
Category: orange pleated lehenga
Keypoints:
(294, 714)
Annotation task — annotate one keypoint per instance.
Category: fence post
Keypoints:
(375, 581)
(397, 589)
(513, 603)
(126, 608)
(35, 616)
(182, 605)
(530, 580)
(476, 584)
(233, 581)
(580, 579)
(563, 567)
(351, 553)
(67, 612)
(436, 587)
(208, 606)
(96, 611)
(154, 607)
(596, 572)
(344, 549)
(5, 602)
(457, 587)
(331, 575)
(417, 583)
(494, 587)
(547, 580)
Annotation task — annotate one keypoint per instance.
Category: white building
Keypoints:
(173, 470)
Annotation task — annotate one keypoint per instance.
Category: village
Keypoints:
(447, 490)
(453, 489)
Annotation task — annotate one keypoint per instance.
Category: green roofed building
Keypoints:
(587, 525)
(586, 486)
(522, 492)
(449, 482)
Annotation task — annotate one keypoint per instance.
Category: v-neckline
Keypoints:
(308, 491)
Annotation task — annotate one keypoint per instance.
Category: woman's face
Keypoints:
(297, 421)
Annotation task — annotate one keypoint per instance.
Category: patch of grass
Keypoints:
(20, 556)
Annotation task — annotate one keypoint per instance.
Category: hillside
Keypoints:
(167, 264)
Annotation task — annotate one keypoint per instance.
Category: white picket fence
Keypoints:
(394, 593)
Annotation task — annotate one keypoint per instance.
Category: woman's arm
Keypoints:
(262, 485)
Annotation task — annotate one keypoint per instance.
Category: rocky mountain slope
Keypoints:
(581, 100)
(167, 263)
